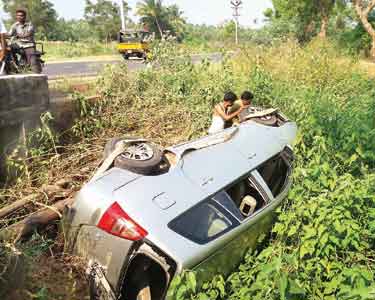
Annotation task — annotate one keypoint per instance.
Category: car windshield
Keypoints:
(203, 223)
(133, 36)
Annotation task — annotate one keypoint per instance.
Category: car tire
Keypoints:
(125, 56)
(147, 166)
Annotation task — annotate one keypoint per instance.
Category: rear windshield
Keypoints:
(275, 173)
(204, 222)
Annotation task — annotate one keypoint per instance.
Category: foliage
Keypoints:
(72, 30)
(356, 40)
(160, 19)
(62, 50)
(307, 16)
(103, 18)
(229, 29)
(176, 21)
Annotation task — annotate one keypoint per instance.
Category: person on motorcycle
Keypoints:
(23, 33)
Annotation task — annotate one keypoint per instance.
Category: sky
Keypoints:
(210, 12)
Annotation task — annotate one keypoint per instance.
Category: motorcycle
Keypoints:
(15, 60)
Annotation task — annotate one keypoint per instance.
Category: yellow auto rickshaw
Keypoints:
(132, 43)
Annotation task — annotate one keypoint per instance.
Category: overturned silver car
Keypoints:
(201, 206)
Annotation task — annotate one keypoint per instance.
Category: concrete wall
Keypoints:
(22, 100)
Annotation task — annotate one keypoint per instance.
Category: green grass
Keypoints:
(75, 50)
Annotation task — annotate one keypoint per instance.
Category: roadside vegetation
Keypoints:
(322, 245)
(56, 51)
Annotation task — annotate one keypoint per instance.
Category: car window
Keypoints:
(129, 37)
(275, 173)
(226, 201)
(246, 198)
(204, 222)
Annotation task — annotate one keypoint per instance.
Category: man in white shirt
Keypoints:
(2, 39)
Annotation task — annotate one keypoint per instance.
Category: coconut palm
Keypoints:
(151, 13)
(176, 19)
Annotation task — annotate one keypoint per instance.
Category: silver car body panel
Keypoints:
(154, 201)
(200, 175)
(93, 244)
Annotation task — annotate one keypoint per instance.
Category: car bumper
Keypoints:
(104, 254)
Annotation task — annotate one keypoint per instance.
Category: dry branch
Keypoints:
(9, 209)
(35, 221)
(56, 191)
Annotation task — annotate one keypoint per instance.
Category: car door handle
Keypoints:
(207, 181)
(252, 155)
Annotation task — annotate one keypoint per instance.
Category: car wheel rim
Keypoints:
(139, 152)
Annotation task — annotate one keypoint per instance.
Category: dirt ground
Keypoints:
(45, 272)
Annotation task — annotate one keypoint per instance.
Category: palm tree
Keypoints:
(176, 19)
(151, 12)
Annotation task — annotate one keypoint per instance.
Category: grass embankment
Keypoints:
(323, 242)
(70, 51)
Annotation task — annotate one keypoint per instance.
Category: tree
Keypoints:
(363, 10)
(229, 29)
(175, 20)
(324, 9)
(310, 16)
(40, 12)
(151, 13)
(72, 30)
(159, 18)
(104, 18)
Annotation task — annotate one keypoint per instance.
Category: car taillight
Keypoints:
(115, 221)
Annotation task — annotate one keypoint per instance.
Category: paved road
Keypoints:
(91, 68)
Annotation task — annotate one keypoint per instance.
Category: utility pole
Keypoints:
(122, 14)
(236, 5)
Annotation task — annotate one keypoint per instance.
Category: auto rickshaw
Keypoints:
(134, 43)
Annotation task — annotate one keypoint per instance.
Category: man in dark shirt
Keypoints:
(22, 33)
